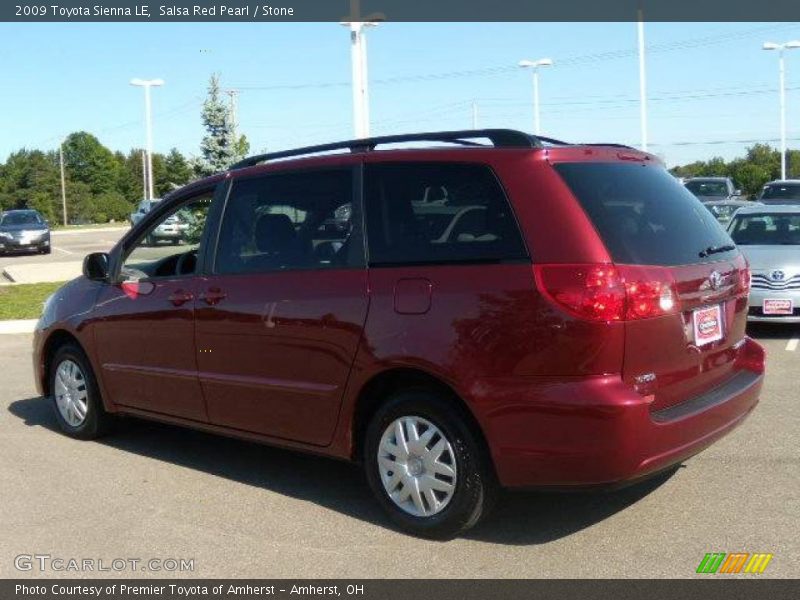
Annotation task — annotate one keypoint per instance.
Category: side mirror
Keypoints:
(737, 192)
(95, 266)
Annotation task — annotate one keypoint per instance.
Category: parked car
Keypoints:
(769, 236)
(709, 189)
(781, 192)
(172, 230)
(585, 326)
(24, 231)
(723, 210)
(144, 207)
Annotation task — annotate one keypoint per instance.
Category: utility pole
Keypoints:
(233, 102)
(144, 174)
(63, 183)
(474, 115)
(642, 81)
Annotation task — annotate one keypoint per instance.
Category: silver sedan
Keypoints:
(769, 236)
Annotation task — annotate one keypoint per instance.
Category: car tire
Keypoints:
(46, 250)
(435, 511)
(75, 395)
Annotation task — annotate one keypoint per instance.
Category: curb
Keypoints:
(17, 326)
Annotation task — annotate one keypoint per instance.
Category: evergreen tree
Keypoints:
(220, 148)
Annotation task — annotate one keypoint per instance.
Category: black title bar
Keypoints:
(399, 10)
(709, 588)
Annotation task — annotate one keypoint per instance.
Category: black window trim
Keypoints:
(526, 259)
(356, 171)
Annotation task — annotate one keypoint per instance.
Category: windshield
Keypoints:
(707, 188)
(645, 216)
(781, 192)
(25, 218)
(766, 229)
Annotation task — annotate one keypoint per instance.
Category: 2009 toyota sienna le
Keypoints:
(495, 310)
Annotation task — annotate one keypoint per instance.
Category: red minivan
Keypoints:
(491, 310)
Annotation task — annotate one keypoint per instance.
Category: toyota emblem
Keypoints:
(777, 275)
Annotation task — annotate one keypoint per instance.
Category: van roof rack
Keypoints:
(500, 138)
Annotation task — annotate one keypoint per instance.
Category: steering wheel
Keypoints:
(186, 263)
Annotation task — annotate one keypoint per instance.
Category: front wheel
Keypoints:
(76, 398)
(426, 467)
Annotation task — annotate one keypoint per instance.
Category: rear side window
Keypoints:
(421, 213)
(288, 221)
(645, 216)
(773, 193)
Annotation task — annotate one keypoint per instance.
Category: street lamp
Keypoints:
(534, 65)
(147, 84)
(781, 68)
(358, 58)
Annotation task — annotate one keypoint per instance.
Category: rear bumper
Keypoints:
(598, 431)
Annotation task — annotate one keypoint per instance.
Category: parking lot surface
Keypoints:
(243, 510)
(71, 244)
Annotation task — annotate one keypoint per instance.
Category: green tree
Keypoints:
(177, 172)
(31, 179)
(220, 148)
(89, 162)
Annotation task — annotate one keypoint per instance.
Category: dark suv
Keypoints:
(550, 315)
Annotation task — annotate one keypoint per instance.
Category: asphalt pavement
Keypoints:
(69, 245)
(243, 510)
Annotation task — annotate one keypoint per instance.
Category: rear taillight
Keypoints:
(604, 292)
(745, 280)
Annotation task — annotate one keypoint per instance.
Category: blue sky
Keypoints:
(707, 82)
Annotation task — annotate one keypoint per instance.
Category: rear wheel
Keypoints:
(76, 398)
(426, 466)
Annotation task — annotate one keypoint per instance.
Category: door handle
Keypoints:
(180, 297)
(213, 296)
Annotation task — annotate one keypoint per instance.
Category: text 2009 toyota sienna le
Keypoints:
(501, 310)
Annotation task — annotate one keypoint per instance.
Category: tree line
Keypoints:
(102, 185)
(761, 164)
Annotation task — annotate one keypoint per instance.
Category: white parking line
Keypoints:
(62, 250)
(792, 344)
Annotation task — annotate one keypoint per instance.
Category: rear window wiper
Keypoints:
(716, 250)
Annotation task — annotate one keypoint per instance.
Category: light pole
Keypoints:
(782, 75)
(358, 59)
(534, 65)
(147, 84)
(642, 81)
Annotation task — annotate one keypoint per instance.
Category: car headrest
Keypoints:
(274, 233)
